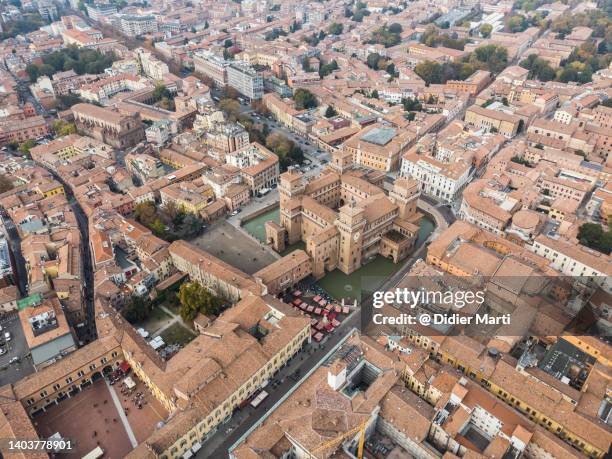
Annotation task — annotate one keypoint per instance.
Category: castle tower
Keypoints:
(405, 195)
(351, 223)
(291, 189)
(291, 185)
(341, 161)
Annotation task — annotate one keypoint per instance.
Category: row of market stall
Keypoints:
(325, 315)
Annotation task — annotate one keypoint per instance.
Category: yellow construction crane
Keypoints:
(334, 442)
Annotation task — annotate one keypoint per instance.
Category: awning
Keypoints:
(124, 366)
(129, 382)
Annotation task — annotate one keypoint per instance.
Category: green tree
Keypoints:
(593, 235)
(395, 28)
(384, 36)
(330, 111)
(335, 28)
(5, 183)
(485, 30)
(326, 69)
(26, 146)
(412, 105)
(32, 71)
(430, 72)
(516, 23)
(194, 299)
(25, 24)
(161, 92)
(231, 108)
(137, 309)
(304, 99)
(372, 60)
(63, 128)
(493, 58)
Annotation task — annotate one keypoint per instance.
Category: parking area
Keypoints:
(89, 419)
(15, 361)
(236, 248)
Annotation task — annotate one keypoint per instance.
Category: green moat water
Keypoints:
(336, 283)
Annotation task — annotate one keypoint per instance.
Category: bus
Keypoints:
(260, 398)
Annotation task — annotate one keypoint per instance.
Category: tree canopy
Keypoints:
(168, 221)
(287, 151)
(25, 24)
(335, 28)
(63, 128)
(81, 60)
(195, 298)
(330, 112)
(593, 235)
(6, 183)
(385, 36)
(304, 99)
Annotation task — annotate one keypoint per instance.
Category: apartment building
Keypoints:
(47, 332)
(259, 167)
(487, 205)
(100, 11)
(151, 66)
(473, 84)
(136, 25)
(573, 259)
(226, 137)
(211, 65)
(69, 148)
(564, 421)
(245, 79)
(144, 167)
(187, 196)
(21, 130)
(102, 90)
(282, 109)
(443, 180)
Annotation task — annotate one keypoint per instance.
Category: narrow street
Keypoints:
(87, 268)
(15, 244)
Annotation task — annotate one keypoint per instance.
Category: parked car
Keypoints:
(14, 359)
(7, 336)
